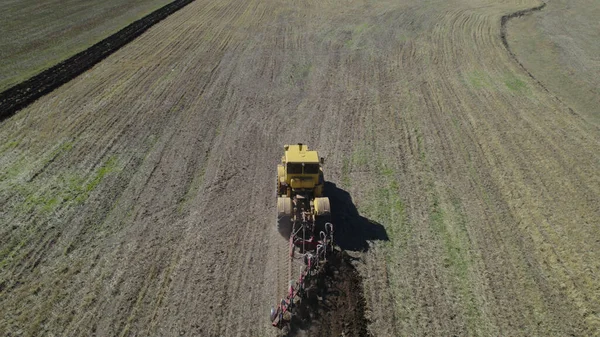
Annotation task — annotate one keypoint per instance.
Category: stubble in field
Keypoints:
(138, 198)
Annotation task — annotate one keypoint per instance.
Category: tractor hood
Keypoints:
(300, 154)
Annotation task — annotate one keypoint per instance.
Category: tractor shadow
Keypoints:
(352, 231)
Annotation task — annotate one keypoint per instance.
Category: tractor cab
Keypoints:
(300, 172)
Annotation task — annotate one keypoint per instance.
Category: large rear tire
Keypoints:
(322, 206)
(322, 212)
(284, 217)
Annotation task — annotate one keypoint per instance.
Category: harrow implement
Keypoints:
(314, 253)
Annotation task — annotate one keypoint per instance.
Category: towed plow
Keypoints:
(314, 254)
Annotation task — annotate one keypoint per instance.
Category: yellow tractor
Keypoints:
(303, 216)
(300, 185)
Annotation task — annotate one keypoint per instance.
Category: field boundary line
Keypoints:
(503, 33)
(23, 94)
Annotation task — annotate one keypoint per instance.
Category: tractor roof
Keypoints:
(300, 154)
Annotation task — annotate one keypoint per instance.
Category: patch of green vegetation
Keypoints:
(515, 84)
(65, 188)
(13, 170)
(387, 207)
(383, 203)
(150, 141)
(62, 148)
(42, 199)
(351, 43)
(346, 173)
(9, 251)
(303, 70)
(420, 146)
(9, 146)
(300, 71)
(356, 33)
(403, 37)
(450, 225)
(360, 28)
(478, 79)
(360, 155)
(108, 167)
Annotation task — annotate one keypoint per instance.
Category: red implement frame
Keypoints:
(315, 255)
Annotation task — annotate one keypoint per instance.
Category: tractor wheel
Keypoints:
(284, 216)
(284, 226)
(322, 212)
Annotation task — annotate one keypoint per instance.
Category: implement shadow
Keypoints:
(352, 231)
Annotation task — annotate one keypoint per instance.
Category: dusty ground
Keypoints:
(138, 199)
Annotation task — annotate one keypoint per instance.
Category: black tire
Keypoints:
(284, 226)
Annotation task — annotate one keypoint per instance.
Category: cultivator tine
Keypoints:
(329, 230)
(320, 250)
(323, 245)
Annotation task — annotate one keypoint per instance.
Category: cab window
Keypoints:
(311, 168)
(294, 168)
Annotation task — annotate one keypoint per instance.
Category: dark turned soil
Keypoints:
(334, 304)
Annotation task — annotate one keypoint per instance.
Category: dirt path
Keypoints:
(138, 199)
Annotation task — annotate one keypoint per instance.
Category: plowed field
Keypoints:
(138, 199)
(36, 35)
